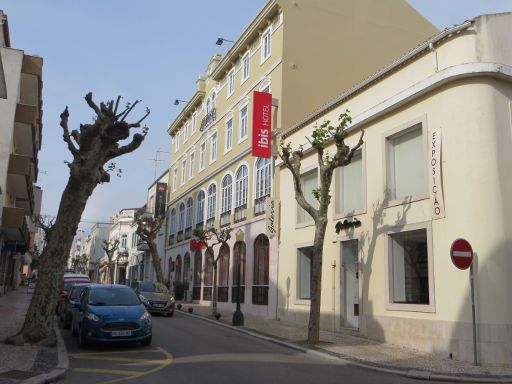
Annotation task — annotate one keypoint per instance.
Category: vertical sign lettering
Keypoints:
(261, 124)
(436, 189)
(160, 201)
(271, 217)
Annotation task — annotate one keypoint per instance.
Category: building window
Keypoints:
(226, 194)
(231, 83)
(181, 221)
(186, 268)
(198, 264)
(177, 270)
(245, 67)
(177, 141)
(124, 241)
(263, 183)
(188, 218)
(183, 171)
(309, 182)
(304, 262)
(229, 135)
(410, 269)
(406, 164)
(261, 270)
(349, 186)
(208, 275)
(243, 123)
(223, 289)
(239, 252)
(200, 209)
(194, 122)
(185, 132)
(213, 152)
(174, 179)
(172, 227)
(202, 155)
(265, 46)
(191, 165)
(211, 208)
(241, 190)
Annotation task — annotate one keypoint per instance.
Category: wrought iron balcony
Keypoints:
(171, 240)
(225, 218)
(240, 213)
(200, 225)
(210, 223)
(208, 119)
(179, 237)
(188, 233)
(259, 205)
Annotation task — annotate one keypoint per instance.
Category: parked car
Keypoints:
(68, 305)
(112, 313)
(156, 297)
(67, 282)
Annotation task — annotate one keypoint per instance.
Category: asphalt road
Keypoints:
(190, 350)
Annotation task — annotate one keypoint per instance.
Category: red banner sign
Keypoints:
(261, 124)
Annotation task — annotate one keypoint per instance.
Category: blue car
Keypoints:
(112, 313)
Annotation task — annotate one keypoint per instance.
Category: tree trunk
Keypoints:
(111, 270)
(214, 293)
(37, 327)
(157, 265)
(316, 282)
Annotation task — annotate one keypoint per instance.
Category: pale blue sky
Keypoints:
(152, 52)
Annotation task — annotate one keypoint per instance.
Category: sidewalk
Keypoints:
(354, 348)
(26, 362)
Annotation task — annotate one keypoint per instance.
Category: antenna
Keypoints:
(156, 159)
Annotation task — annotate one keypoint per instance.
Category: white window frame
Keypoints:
(194, 123)
(226, 195)
(175, 178)
(420, 123)
(297, 299)
(185, 131)
(240, 131)
(246, 65)
(390, 305)
(183, 171)
(264, 54)
(191, 165)
(177, 136)
(214, 139)
(338, 181)
(173, 222)
(260, 172)
(228, 144)
(241, 194)
(231, 82)
(300, 224)
(211, 202)
(189, 213)
(202, 156)
(200, 206)
(181, 218)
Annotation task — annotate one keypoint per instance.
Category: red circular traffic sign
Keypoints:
(461, 253)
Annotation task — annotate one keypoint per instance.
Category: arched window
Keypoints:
(239, 252)
(172, 227)
(200, 209)
(188, 218)
(181, 221)
(170, 270)
(263, 182)
(177, 269)
(242, 183)
(223, 288)
(261, 267)
(198, 265)
(186, 269)
(208, 275)
(212, 201)
(226, 196)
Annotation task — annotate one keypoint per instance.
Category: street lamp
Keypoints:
(221, 41)
(238, 316)
(178, 101)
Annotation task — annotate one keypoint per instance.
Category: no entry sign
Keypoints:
(461, 253)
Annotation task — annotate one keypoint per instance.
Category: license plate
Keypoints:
(121, 333)
(158, 305)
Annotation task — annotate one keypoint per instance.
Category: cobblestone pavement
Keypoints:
(352, 346)
(23, 361)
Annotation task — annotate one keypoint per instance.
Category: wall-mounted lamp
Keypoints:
(178, 101)
(221, 40)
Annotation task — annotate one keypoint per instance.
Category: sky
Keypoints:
(152, 53)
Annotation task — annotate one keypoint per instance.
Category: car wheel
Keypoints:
(82, 339)
(146, 341)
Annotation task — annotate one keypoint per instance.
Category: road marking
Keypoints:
(103, 356)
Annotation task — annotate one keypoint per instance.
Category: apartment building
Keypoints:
(434, 167)
(302, 53)
(20, 142)
(99, 232)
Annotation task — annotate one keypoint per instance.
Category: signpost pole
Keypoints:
(473, 312)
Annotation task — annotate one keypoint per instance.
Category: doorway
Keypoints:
(350, 276)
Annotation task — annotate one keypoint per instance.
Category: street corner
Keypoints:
(116, 365)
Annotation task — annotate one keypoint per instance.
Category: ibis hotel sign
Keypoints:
(261, 124)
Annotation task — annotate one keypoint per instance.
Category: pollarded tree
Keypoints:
(321, 137)
(92, 147)
(147, 229)
(110, 247)
(210, 238)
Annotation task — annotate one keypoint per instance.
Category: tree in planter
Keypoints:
(147, 229)
(110, 247)
(92, 147)
(321, 137)
(210, 238)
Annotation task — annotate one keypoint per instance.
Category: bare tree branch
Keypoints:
(64, 116)
(127, 111)
(117, 104)
(135, 143)
(91, 104)
(137, 124)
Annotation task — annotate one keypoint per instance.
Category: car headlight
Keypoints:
(171, 301)
(144, 300)
(91, 316)
(145, 316)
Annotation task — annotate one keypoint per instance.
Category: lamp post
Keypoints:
(238, 316)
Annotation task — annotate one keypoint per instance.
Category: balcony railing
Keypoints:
(171, 240)
(259, 205)
(260, 294)
(179, 237)
(225, 219)
(209, 118)
(240, 213)
(200, 225)
(188, 233)
(210, 223)
(207, 293)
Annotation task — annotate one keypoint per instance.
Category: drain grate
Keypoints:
(17, 375)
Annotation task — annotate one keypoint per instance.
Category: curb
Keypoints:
(62, 365)
(410, 373)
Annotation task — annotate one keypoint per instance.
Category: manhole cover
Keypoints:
(17, 375)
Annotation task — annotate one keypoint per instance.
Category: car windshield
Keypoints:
(67, 286)
(113, 296)
(147, 286)
(77, 291)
